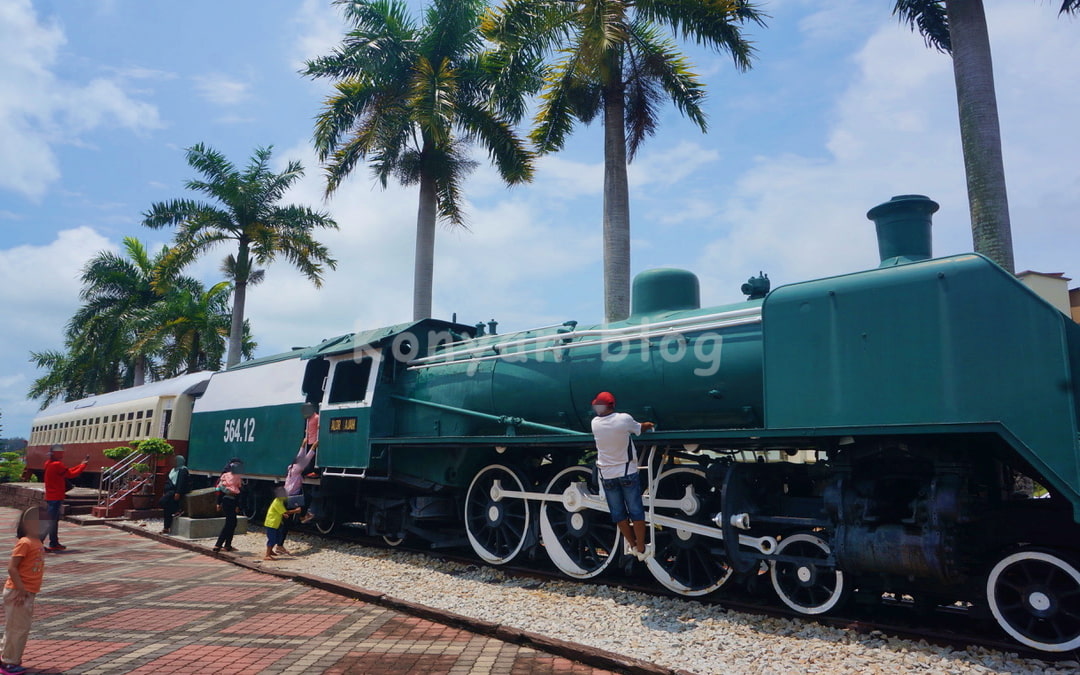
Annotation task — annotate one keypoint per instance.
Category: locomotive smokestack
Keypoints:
(903, 229)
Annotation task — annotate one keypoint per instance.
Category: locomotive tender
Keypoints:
(858, 433)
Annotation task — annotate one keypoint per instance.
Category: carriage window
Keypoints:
(350, 381)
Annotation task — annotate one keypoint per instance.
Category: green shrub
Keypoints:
(119, 453)
(11, 466)
(154, 446)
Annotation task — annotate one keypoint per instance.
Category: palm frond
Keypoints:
(659, 60)
(929, 18)
(555, 117)
(170, 213)
(717, 24)
(507, 150)
(212, 164)
(431, 99)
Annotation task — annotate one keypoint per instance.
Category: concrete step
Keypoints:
(143, 514)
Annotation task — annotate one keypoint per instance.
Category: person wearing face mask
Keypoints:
(176, 487)
(616, 458)
(228, 487)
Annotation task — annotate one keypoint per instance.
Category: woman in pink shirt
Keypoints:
(228, 503)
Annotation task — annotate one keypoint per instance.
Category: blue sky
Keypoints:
(843, 109)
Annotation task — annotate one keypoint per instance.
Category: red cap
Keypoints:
(604, 398)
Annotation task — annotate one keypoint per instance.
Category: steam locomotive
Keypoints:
(854, 434)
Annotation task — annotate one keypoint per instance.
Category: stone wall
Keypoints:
(22, 495)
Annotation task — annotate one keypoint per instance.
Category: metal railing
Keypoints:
(119, 481)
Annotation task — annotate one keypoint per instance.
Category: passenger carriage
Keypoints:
(88, 426)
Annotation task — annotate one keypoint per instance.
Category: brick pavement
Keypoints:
(115, 603)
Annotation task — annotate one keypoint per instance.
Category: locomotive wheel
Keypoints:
(581, 543)
(393, 542)
(497, 528)
(807, 587)
(687, 563)
(326, 521)
(249, 502)
(1035, 597)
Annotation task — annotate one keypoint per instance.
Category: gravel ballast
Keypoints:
(671, 632)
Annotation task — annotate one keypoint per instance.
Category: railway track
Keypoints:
(953, 627)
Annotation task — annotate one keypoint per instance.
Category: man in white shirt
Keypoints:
(618, 463)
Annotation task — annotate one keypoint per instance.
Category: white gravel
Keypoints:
(671, 632)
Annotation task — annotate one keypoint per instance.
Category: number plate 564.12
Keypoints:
(240, 430)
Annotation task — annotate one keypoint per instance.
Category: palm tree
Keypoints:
(247, 212)
(410, 99)
(959, 28)
(616, 60)
(68, 377)
(189, 328)
(115, 289)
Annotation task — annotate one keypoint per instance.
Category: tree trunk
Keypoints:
(616, 202)
(424, 264)
(236, 331)
(140, 371)
(980, 131)
(194, 356)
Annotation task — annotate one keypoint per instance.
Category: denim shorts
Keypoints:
(624, 496)
(275, 537)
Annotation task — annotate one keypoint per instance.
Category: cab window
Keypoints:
(350, 381)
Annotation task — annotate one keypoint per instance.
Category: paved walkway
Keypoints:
(115, 603)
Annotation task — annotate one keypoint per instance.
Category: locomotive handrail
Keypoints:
(753, 313)
(502, 419)
(671, 330)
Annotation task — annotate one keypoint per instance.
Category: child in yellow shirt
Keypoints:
(275, 515)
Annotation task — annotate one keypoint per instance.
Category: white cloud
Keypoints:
(838, 19)
(320, 28)
(39, 291)
(221, 89)
(38, 110)
(672, 166)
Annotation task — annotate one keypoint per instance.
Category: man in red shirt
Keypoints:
(56, 475)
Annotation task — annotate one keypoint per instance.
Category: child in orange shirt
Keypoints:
(25, 571)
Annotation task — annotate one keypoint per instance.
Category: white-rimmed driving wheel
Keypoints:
(808, 585)
(1035, 597)
(497, 525)
(580, 541)
(687, 563)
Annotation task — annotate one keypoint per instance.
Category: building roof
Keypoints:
(1054, 275)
